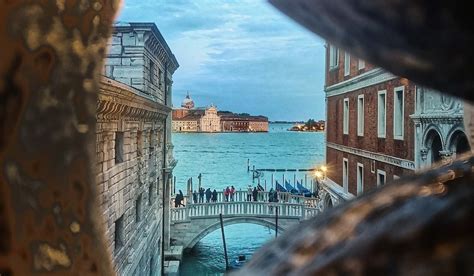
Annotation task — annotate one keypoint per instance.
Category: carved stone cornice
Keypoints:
(442, 118)
(119, 101)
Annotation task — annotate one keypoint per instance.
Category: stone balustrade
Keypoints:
(263, 196)
(242, 208)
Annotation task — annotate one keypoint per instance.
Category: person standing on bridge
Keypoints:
(201, 195)
(214, 196)
(195, 197)
(249, 193)
(270, 195)
(232, 192)
(255, 194)
(178, 201)
(208, 195)
(226, 194)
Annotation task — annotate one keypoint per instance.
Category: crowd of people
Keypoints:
(198, 196)
(203, 195)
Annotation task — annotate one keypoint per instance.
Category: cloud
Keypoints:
(241, 55)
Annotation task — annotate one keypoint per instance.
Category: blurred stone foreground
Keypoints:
(50, 62)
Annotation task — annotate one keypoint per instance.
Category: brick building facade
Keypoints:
(370, 136)
(237, 123)
(134, 150)
(380, 127)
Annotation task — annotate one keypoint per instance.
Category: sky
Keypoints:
(240, 55)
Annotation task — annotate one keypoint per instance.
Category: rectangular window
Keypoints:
(381, 178)
(345, 123)
(381, 113)
(372, 166)
(139, 143)
(150, 194)
(152, 72)
(347, 64)
(360, 115)
(152, 140)
(398, 113)
(360, 178)
(345, 174)
(119, 233)
(158, 186)
(160, 76)
(118, 147)
(361, 64)
(138, 209)
(333, 57)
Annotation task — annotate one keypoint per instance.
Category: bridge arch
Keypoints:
(230, 221)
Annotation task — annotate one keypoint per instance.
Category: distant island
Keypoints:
(310, 126)
(189, 118)
(287, 122)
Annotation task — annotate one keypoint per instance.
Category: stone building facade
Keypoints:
(134, 149)
(210, 121)
(439, 128)
(370, 136)
(187, 124)
(238, 123)
(258, 124)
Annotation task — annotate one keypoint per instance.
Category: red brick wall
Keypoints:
(334, 164)
(180, 113)
(370, 141)
(336, 75)
(389, 146)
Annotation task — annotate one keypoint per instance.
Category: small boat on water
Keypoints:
(238, 263)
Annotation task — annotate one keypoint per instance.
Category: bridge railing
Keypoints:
(263, 196)
(244, 208)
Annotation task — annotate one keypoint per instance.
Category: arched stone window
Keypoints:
(458, 143)
(434, 145)
(328, 201)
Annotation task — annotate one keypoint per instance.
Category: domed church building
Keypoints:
(187, 103)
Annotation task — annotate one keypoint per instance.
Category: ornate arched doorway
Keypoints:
(328, 201)
(434, 145)
(458, 143)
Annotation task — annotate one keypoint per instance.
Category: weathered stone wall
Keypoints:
(138, 57)
(120, 184)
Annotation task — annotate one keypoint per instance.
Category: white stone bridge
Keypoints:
(195, 221)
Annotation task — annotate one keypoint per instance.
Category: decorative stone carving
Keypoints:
(424, 154)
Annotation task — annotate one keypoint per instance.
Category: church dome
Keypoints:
(187, 102)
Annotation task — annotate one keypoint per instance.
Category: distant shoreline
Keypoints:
(285, 123)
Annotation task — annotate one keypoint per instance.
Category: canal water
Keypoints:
(222, 160)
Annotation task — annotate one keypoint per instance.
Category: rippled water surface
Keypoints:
(222, 160)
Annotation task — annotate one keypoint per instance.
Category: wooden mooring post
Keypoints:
(272, 180)
(248, 165)
(223, 241)
(276, 221)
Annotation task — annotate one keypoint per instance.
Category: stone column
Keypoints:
(166, 209)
